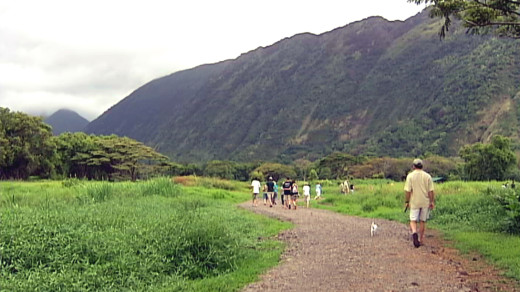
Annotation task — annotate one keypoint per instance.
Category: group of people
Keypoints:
(290, 195)
(419, 197)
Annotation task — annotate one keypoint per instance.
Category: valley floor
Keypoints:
(327, 251)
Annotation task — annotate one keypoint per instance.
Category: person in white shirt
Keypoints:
(255, 184)
(307, 194)
(318, 191)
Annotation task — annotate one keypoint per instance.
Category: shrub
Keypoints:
(509, 200)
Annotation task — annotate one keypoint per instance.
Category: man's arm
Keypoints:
(431, 196)
(408, 195)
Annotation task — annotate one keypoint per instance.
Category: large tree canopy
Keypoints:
(26, 147)
(478, 15)
(489, 161)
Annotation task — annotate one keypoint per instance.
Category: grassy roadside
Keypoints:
(467, 213)
(145, 236)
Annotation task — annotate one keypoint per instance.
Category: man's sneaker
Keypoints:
(416, 242)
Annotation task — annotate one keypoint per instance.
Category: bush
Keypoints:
(509, 200)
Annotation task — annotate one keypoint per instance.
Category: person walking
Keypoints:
(287, 189)
(420, 199)
(318, 191)
(270, 191)
(255, 185)
(294, 194)
(275, 188)
(307, 194)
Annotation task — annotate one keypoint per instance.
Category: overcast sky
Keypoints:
(88, 55)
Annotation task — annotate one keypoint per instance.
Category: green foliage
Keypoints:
(509, 199)
(313, 175)
(26, 147)
(220, 169)
(397, 168)
(107, 157)
(488, 161)
(338, 164)
(144, 236)
(276, 170)
(478, 15)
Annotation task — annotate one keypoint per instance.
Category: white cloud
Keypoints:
(88, 55)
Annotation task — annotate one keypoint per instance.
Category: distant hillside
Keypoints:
(372, 87)
(66, 121)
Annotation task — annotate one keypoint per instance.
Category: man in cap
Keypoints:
(420, 198)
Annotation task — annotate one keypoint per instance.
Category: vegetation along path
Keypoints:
(327, 251)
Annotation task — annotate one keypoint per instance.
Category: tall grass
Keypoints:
(145, 236)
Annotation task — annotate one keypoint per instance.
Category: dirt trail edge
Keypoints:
(327, 251)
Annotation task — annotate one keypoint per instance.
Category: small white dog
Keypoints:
(373, 229)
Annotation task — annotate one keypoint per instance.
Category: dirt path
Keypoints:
(327, 251)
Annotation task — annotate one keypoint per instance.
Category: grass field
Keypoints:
(145, 236)
(190, 236)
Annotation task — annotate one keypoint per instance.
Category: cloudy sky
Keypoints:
(88, 55)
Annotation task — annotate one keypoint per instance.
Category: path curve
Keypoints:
(327, 251)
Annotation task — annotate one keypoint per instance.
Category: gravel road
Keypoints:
(327, 251)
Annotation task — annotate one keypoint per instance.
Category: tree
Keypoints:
(478, 15)
(107, 157)
(276, 170)
(313, 175)
(123, 157)
(302, 166)
(220, 169)
(488, 161)
(26, 147)
(337, 165)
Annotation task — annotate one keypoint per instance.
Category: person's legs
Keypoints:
(413, 226)
(414, 215)
(422, 228)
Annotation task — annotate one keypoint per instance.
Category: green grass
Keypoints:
(466, 212)
(145, 236)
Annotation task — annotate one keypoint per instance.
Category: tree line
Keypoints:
(28, 148)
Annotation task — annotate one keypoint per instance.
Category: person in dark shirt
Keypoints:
(270, 191)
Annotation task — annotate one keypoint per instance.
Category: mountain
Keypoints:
(66, 121)
(373, 87)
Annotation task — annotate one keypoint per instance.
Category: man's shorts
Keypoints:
(287, 192)
(270, 194)
(255, 195)
(307, 198)
(421, 214)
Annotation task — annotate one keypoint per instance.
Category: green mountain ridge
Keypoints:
(373, 87)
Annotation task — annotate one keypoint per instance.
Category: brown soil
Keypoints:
(327, 251)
